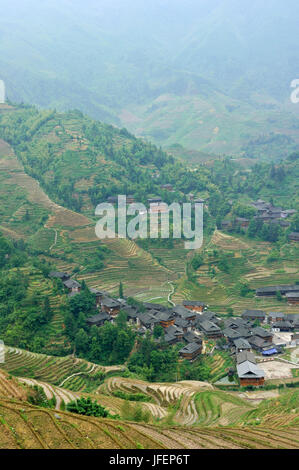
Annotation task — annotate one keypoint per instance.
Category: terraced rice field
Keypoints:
(60, 394)
(249, 264)
(275, 412)
(188, 402)
(71, 373)
(219, 364)
(24, 426)
(135, 267)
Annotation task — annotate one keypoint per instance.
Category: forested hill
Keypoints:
(212, 76)
(79, 162)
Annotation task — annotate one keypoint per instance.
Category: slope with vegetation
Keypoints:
(28, 420)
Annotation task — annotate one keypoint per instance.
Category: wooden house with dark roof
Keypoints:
(262, 333)
(237, 322)
(72, 285)
(181, 323)
(253, 315)
(110, 306)
(194, 305)
(259, 344)
(226, 224)
(59, 275)
(100, 295)
(99, 319)
(183, 312)
(210, 329)
(250, 374)
(241, 344)
(269, 291)
(275, 317)
(284, 326)
(132, 314)
(206, 316)
(173, 330)
(245, 356)
(242, 222)
(292, 298)
(165, 318)
(294, 237)
(191, 337)
(146, 320)
(191, 351)
(231, 334)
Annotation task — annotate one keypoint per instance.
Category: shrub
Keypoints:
(85, 406)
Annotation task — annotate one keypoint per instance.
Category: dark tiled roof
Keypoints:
(71, 283)
(110, 303)
(59, 275)
(150, 306)
(254, 313)
(173, 330)
(194, 303)
(192, 338)
(164, 316)
(209, 327)
(261, 332)
(243, 331)
(190, 348)
(292, 295)
(242, 343)
(231, 334)
(249, 370)
(279, 288)
(102, 316)
(276, 315)
(245, 356)
(181, 322)
(259, 342)
(97, 292)
(283, 324)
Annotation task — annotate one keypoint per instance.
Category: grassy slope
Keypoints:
(144, 274)
(217, 125)
(26, 426)
(248, 264)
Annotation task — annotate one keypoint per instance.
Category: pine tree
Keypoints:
(121, 291)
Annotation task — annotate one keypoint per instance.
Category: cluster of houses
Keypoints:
(266, 212)
(192, 324)
(289, 292)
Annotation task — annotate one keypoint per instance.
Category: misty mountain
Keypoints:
(159, 67)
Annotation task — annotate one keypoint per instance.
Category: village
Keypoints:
(250, 338)
(266, 213)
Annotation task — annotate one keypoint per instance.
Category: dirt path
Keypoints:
(171, 293)
(55, 239)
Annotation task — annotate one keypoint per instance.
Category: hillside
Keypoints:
(57, 167)
(210, 76)
(26, 426)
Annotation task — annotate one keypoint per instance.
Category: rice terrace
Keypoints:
(140, 341)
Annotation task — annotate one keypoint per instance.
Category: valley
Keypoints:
(52, 222)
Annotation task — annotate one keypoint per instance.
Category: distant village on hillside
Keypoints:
(249, 338)
(267, 213)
